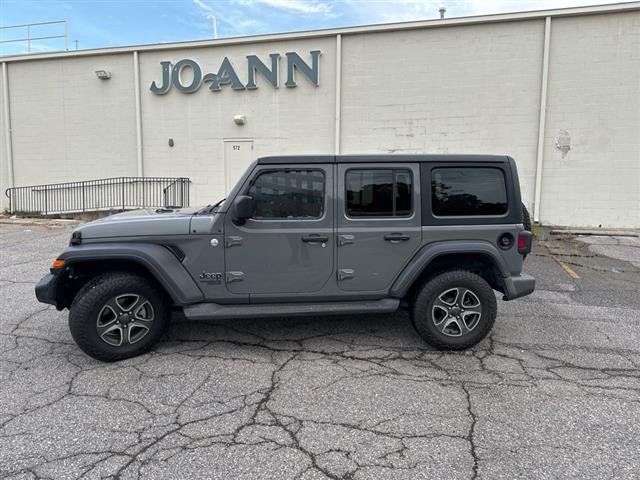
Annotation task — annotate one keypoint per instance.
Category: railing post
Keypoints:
(83, 198)
(122, 179)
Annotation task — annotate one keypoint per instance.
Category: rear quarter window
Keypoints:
(468, 191)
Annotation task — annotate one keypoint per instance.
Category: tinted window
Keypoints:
(378, 193)
(288, 194)
(468, 191)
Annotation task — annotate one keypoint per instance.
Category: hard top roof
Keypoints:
(380, 158)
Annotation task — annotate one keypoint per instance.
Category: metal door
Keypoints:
(238, 155)
(373, 246)
(278, 251)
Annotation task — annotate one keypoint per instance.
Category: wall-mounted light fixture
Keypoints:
(103, 74)
(239, 119)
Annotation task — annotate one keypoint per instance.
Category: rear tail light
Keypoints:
(524, 242)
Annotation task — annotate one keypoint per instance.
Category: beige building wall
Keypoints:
(440, 88)
(594, 96)
(67, 125)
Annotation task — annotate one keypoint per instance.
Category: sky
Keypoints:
(109, 23)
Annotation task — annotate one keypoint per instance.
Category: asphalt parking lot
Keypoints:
(554, 392)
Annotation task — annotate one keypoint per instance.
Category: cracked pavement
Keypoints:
(554, 392)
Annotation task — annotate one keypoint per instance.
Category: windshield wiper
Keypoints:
(212, 208)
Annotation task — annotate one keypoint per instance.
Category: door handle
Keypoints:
(396, 237)
(315, 238)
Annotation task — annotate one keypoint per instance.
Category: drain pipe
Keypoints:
(136, 87)
(338, 107)
(542, 119)
(7, 124)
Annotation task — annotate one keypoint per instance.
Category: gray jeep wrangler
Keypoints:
(307, 235)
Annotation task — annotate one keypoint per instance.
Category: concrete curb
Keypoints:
(603, 233)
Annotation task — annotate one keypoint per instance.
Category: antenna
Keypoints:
(214, 25)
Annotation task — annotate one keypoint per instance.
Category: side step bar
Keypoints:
(206, 311)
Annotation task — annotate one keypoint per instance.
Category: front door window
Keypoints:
(288, 194)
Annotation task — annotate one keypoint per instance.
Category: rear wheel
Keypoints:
(118, 315)
(454, 310)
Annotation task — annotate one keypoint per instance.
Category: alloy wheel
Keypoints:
(125, 319)
(456, 311)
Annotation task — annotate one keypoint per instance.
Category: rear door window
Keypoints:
(468, 191)
(379, 193)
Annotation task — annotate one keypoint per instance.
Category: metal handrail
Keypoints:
(29, 38)
(119, 193)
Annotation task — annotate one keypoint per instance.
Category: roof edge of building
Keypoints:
(330, 32)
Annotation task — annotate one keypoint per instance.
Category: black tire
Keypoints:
(526, 218)
(429, 307)
(101, 306)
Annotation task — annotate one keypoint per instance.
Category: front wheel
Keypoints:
(454, 310)
(118, 315)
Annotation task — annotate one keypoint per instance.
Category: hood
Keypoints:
(147, 222)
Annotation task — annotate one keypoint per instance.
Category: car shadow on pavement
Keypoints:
(323, 333)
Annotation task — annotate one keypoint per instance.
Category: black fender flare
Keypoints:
(428, 253)
(161, 263)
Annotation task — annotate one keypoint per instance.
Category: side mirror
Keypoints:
(243, 208)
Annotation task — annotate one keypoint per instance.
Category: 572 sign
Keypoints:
(226, 74)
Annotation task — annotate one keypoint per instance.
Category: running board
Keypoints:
(206, 311)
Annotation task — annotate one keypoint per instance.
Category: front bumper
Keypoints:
(46, 289)
(518, 286)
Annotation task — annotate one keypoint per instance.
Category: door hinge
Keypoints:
(345, 240)
(345, 273)
(234, 276)
(231, 241)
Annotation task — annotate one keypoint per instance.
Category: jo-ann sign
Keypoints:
(227, 75)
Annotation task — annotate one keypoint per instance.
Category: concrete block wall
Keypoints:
(67, 124)
(593, 96)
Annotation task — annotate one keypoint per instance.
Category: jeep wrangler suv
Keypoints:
(307, 235)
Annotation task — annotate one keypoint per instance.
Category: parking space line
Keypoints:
(567, 269)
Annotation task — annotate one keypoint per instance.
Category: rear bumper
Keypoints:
(46, 289)
(518, 286)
